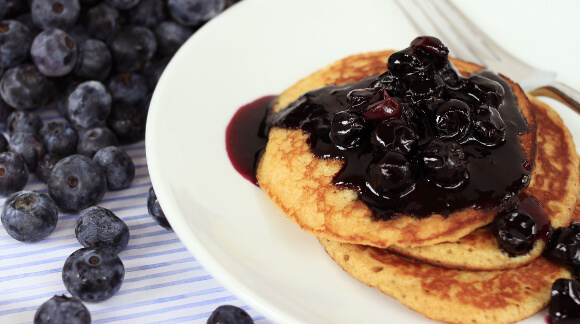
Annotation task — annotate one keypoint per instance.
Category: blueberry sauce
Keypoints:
(245, 136)
(419, 139)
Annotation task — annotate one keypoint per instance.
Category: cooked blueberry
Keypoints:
(481, 91)
(155, 211)
(89, 105)
(170, 36)
(148, 13)
(445, 163)
(55, 13)
(194, 12)
(128, 121)
(132, 48)
(62, 309)
(382, 107)
(229, 314)
(451, 76)
(23, 121)
(392, 176)
(29, 216)
(565, 302)
(99, 227)
(118, 166)
(425, 89)
(130, 88)
(15, 40)
(359, 97)
(45, 165)
(94, 60)
(453, 120)
(103, 21)
(54, 52)
(405, 62)
(348, 130)
(24, 87)
(391, 83)
(122, 4)
(13, 173)
(489, 127)
(59, 137)
(93, 274)
(95, 139)
(394, 135)
(433, 47)
(564, 245)
(515, 231)
(76, 182)
(29, 146)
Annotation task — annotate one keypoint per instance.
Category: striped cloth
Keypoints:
(164, 283)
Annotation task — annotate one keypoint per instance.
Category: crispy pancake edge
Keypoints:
(300, 185)
(448, 295)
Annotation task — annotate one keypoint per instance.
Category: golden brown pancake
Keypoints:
(449, 295)
(554, 185)
(301, 185)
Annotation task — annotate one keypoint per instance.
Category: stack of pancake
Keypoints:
(449, 268)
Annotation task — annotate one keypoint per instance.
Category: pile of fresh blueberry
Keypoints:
(97, 63)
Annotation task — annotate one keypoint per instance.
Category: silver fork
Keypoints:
(468, 42)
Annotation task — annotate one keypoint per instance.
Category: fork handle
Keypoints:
(561, 92)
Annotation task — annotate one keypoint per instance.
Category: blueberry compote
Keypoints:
(420, 138)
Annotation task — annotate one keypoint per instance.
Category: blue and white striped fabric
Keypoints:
(164, 283)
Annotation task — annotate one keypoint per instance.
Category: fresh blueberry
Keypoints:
(89, 105)
(5, 111)
(26, 19)
(16, 7)
(130, 88)
(132, 48)
(29, 216)
(103, 21)
(155, 210)
(122, 4)
(128, 121)
(54, 52)
(76, 182)
(3, 143)
(95, 139)
(80, 34)
(13, 173)
(23, 121)
(3, 8)
(15, 40)
(194, 12)
(24, 87)
(94, 60)
(99, 227)
(55, 13)
(29, 146)
(229, 314)
(392, 175)
(59, 137)
(93, 274)
(153, 71)
(148, 13)
(170, 36)
(515, 231)
(118, 166)
(62, 309)
(45, 165)
(564, 307)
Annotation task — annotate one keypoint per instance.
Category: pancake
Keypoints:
(554, 185)
(449, 295)
(301, 185)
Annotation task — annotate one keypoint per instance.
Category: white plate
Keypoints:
(257, 48)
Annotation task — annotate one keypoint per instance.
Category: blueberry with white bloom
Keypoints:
(62, 309)
(13, 173)
(118, 166)
(100, 227)
(29, 216)
(89, 105)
